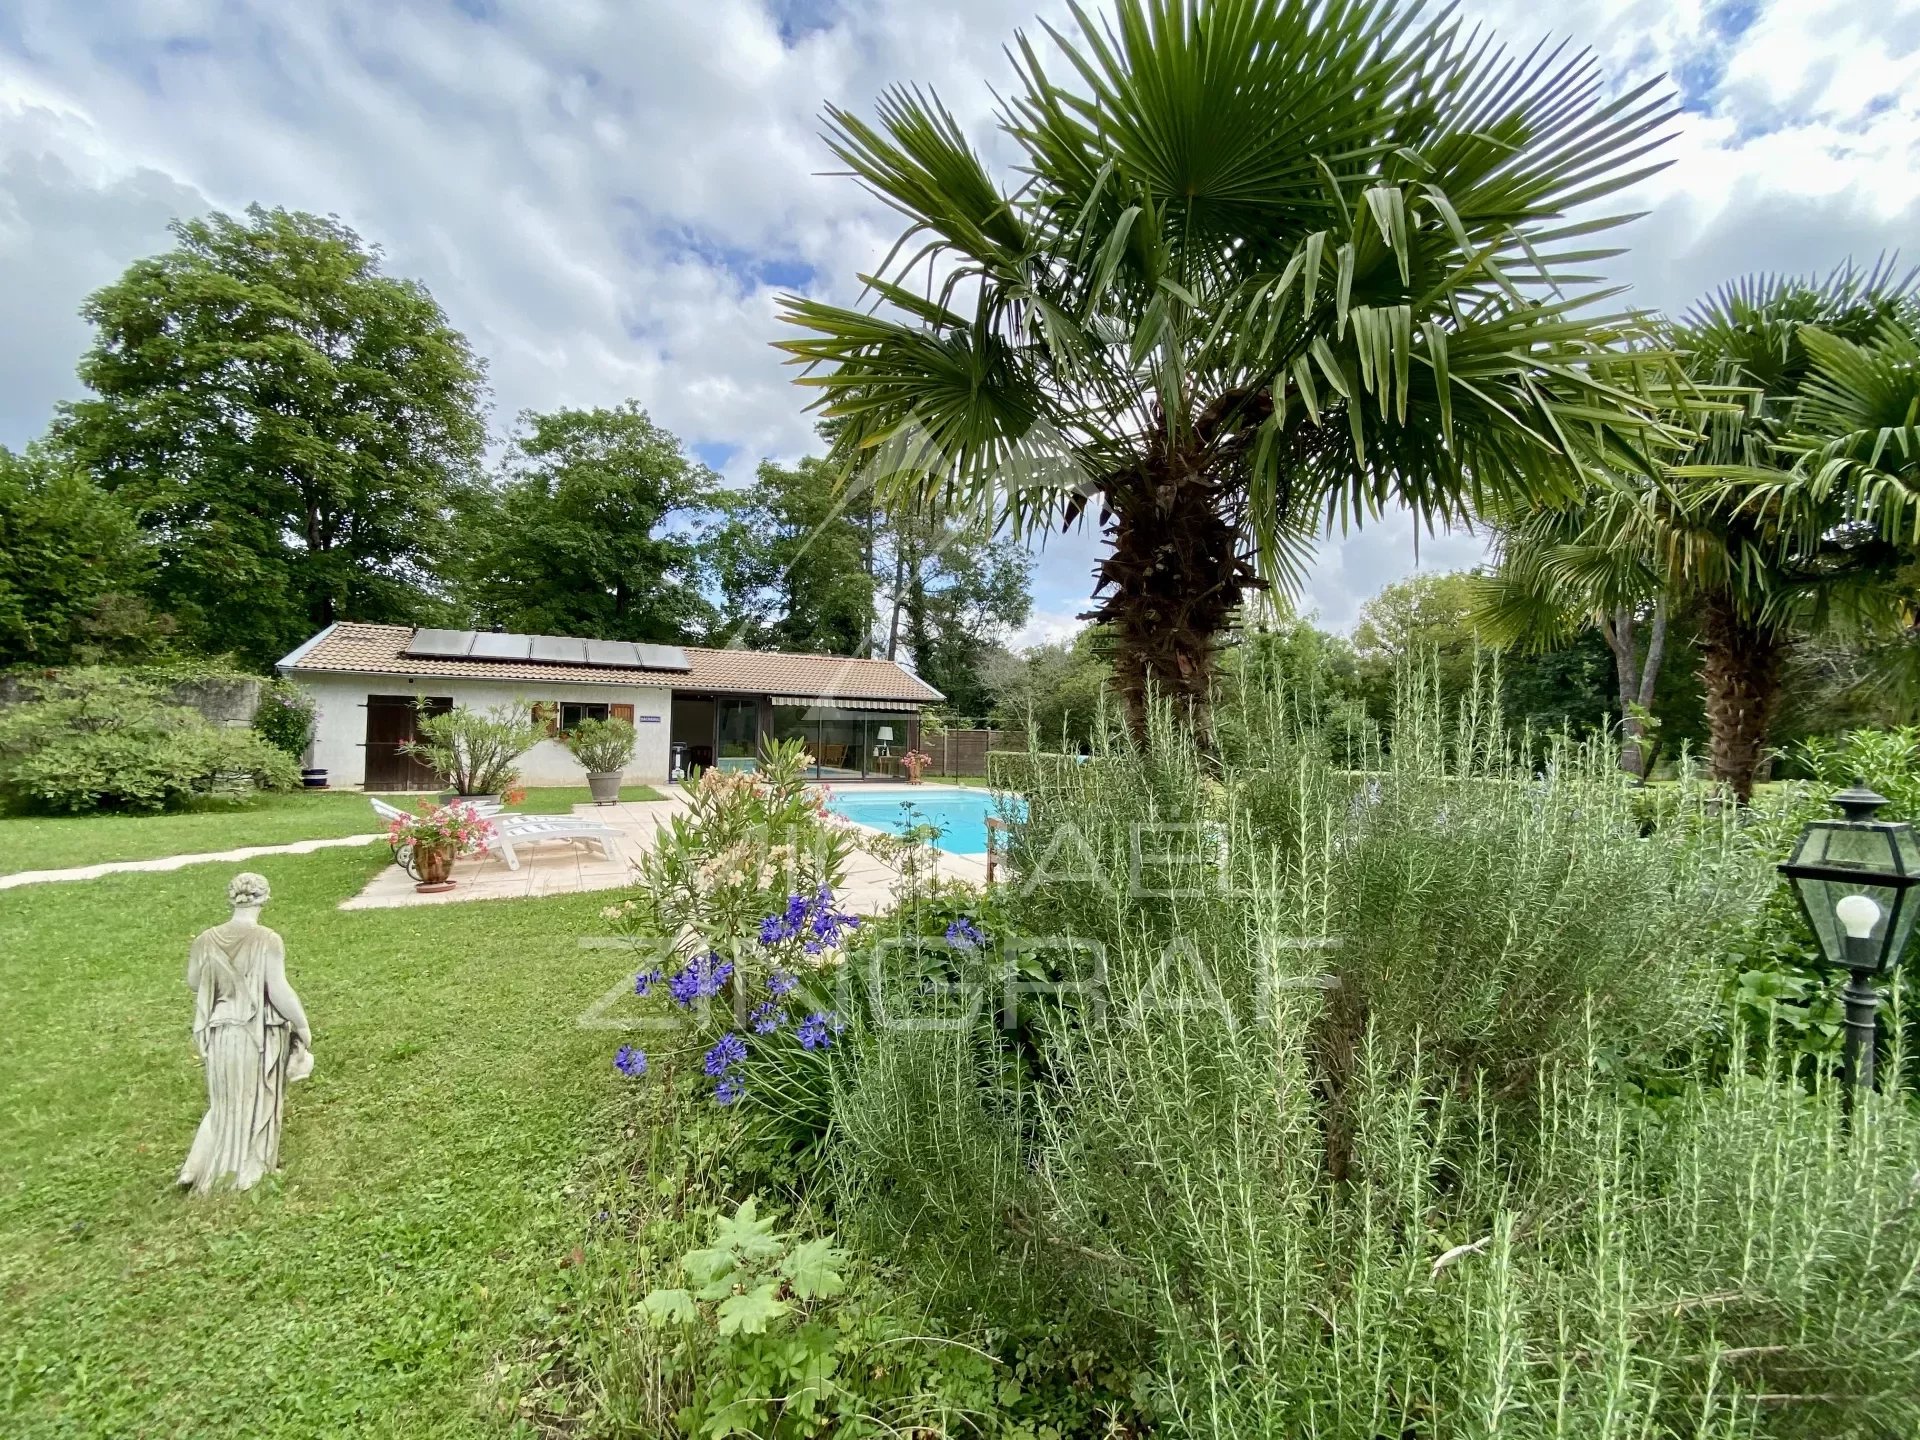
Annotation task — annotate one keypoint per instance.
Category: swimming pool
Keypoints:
(960, 814)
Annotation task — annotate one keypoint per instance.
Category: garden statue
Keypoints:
(253, 1038)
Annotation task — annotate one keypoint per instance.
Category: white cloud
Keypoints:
(607, 197)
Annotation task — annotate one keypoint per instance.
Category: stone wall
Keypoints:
(224, 700)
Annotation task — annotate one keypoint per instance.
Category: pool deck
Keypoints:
(572, 868)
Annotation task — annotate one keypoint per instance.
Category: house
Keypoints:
(370, 683)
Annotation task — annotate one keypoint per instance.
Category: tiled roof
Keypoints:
(352, 649)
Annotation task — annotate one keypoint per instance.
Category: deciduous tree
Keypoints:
(288, 424)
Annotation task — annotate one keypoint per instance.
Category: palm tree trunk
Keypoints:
(1175, 577)
(1740, 667)
(1636, 675)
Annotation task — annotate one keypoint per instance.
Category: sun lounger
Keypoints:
(513, 831)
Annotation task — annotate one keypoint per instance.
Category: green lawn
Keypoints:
(432, 1190)
(56, 842)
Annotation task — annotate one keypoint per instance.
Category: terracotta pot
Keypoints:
(434, 865)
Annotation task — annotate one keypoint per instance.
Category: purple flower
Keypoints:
(728, 1090)
(643, 983)
(962, 934)
(729, 1050)
(767, 1018)
(630, 1062)
(781, 983)
(702, 979)
(774, 929)
(816, 1032)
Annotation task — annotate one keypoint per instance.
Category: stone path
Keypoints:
(178, 862)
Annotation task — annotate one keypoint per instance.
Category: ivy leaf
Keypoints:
(813, 1269)
(747, 1235)
(670, 1307)
(751, 1312)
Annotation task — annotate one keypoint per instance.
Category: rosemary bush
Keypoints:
(1326, 1110)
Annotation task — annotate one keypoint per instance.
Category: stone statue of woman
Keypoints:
(253, 1037)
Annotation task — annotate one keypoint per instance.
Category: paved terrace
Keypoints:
(556, 867)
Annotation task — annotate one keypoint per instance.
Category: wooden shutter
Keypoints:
(621, 712)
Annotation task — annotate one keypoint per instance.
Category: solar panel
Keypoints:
(494, 645)
(663, 657)
(622, 654)
(560, 649)
(429, 643)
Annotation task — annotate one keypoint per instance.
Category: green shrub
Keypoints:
(284, 717)
(602, 746)
(103, 740)
(473, 751)
(1354, 1132)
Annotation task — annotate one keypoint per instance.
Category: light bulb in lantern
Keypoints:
(1857, 916)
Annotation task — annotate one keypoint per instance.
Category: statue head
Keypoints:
(247, 888)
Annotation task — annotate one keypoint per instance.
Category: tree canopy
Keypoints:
(72, 565)
(289, 425)
(1268, 266)
(576, 538)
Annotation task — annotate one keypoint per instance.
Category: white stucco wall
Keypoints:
(340, 722)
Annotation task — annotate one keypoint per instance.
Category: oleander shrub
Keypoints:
(284, 717)
(602, 746)
(97, 739)
(474, 752)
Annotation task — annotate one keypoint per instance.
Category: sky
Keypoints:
(608, 195)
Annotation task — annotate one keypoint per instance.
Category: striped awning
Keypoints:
(811, 701)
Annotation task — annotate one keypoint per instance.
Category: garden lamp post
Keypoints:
(1855, 879)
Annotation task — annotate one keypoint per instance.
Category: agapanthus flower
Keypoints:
(774, 929)
(816, 1032)
(630, 1062)
(730, 1089)
(702, 979)
(767, 1017)
(644, 982)
(782, 983)
(729, 1050)
(963, 934)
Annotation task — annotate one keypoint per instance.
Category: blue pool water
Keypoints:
(960, 814)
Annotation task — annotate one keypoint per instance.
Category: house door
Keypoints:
(391, 724)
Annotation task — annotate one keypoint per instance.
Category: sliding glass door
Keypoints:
(846, 744)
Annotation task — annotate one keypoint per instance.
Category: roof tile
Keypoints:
(349, 648)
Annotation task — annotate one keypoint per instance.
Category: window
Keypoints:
(572, 712)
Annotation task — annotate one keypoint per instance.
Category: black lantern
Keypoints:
(1855, 878)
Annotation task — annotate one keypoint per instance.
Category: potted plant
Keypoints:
(426, 842)
(473, 751)
(913, 762)
(603, 748)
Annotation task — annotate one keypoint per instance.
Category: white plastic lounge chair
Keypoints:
(510, 832)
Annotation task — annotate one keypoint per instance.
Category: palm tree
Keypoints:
(1558, 569)
(1777, 520)
(1270, 266)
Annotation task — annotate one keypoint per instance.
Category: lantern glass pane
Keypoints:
(1902, 928)
(1906, 847)
(1820, 897)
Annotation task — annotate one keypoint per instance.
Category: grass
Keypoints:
(53, 842)
(429, 1196)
